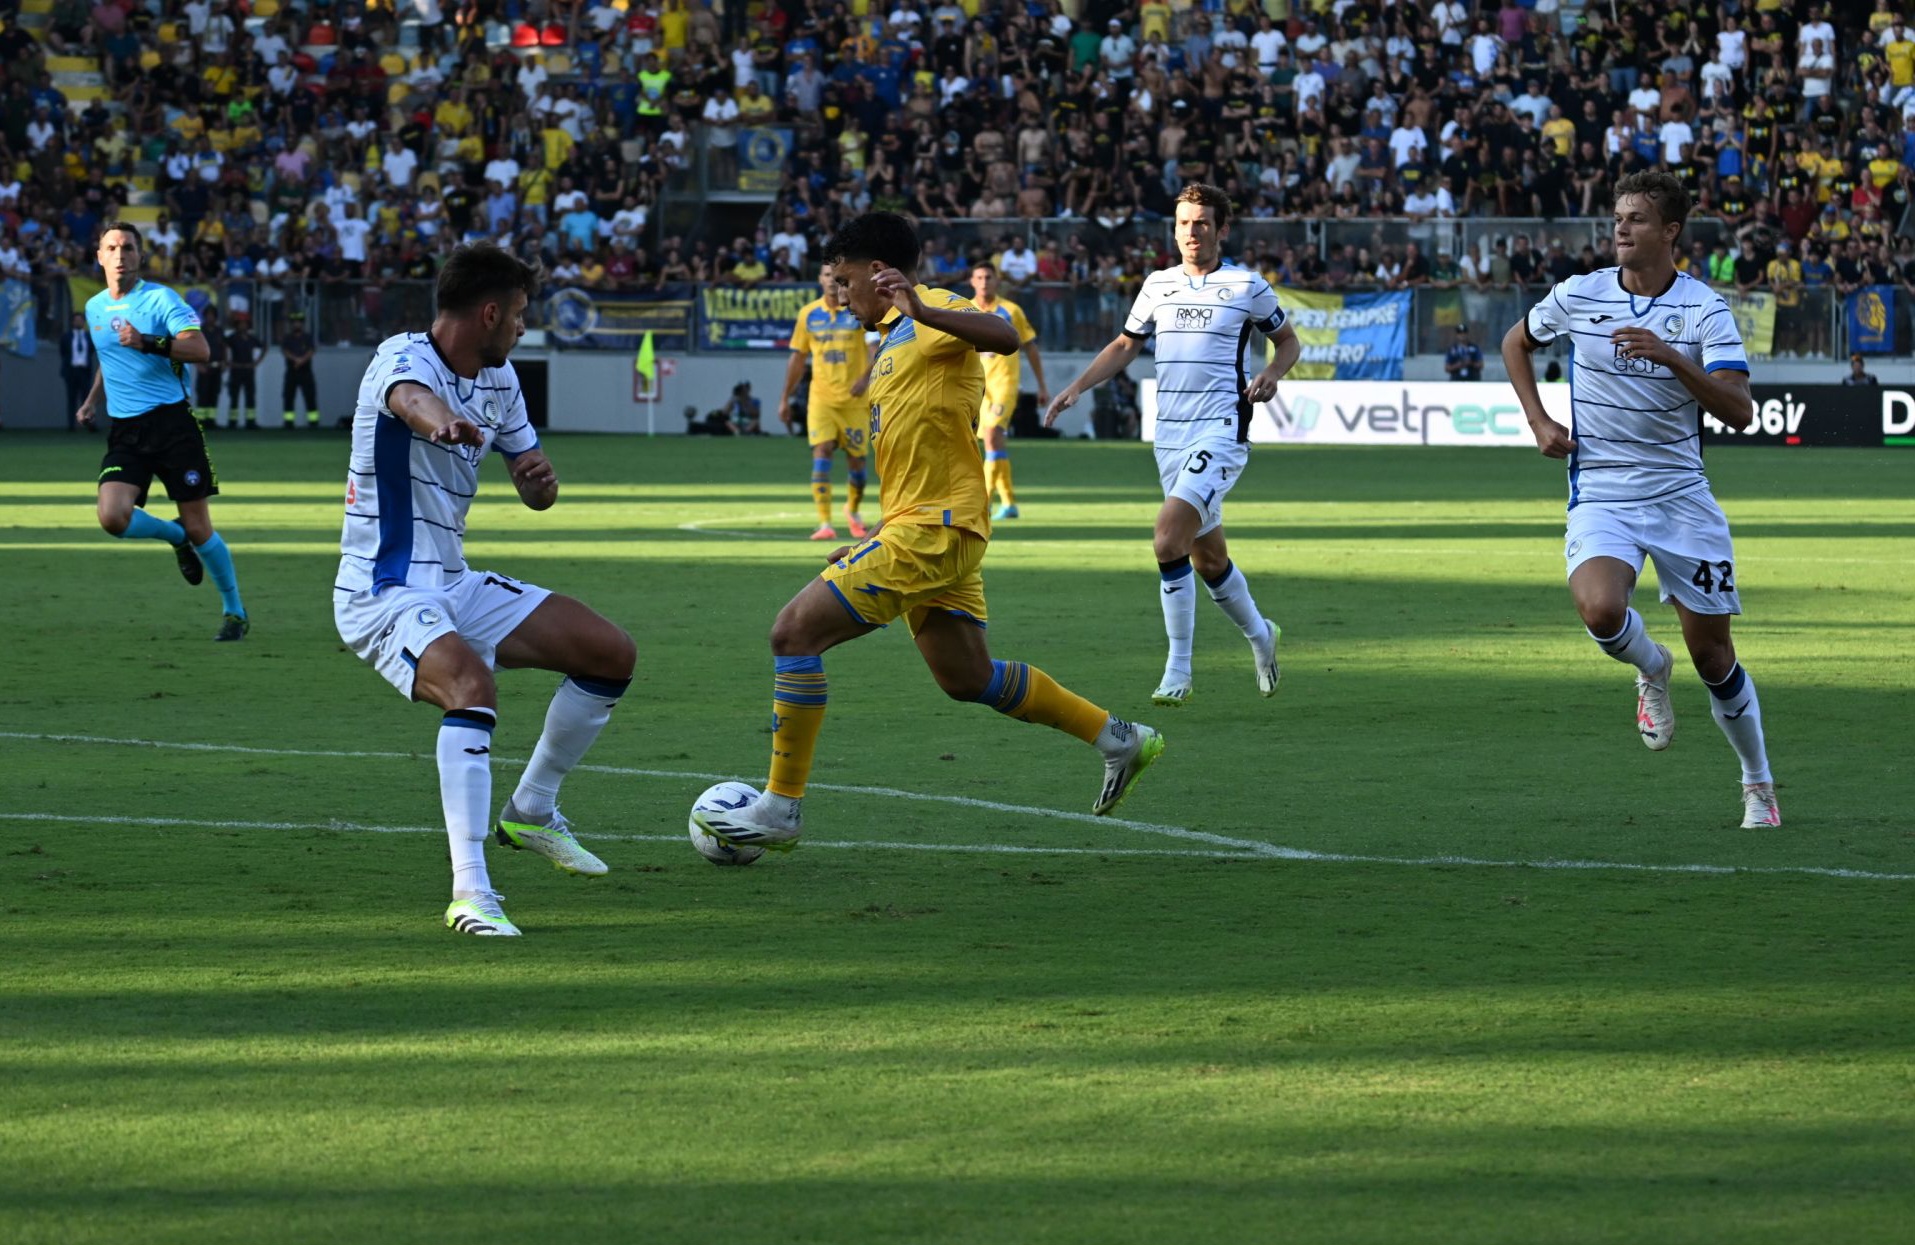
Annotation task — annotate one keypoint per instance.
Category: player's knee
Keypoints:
(788, 635)
(1601, 613)
(199, 528)
(113, 520)
(621, 654)
(1208, 563)
(469, 687)
(1713, 658)
(964, 685)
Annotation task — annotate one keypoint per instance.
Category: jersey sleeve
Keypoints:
(1721, 340)
(401, 367)
(801, 333)
(933, 342)
(516, 434)
(1142, 320)
(176, 315)
(1549, 318)
(1022, 323)
(1264, 309)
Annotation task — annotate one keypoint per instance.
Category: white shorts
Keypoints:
(1203, 475)
(1687, 536)
(392, 630)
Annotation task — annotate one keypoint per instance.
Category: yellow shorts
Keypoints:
(995, 413)
(911, 572)
(846, 421)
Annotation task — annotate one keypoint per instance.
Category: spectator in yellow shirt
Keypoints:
(1785, 277)
(754, 106)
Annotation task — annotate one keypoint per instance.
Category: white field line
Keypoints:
(700, 527)
(1237, 848)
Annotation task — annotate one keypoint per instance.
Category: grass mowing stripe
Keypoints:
(353, 827)
(1238, 847)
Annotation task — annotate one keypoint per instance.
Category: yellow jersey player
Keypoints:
(1002, 373)
(836, 413)
(924, 562)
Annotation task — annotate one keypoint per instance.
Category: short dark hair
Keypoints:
(1205, 195)
(883, 236)
(479, 271)
(121, 226)
(1660, 188)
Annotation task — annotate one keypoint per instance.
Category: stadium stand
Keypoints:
(330, 152)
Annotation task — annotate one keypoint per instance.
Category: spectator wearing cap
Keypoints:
(1464, 359)
(1118, 53)
(1858, 374)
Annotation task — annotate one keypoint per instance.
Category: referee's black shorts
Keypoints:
(166, 442)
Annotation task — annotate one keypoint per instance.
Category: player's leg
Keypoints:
(1604, 555)
(953, 645)
(1695, 565)
(458, 680)
(186, 467)
(125, 475)
(854, 478)
(1176, 531)
(1210, 555)
(596, 657)
(821, 453)
(997, 462)
(818, 619)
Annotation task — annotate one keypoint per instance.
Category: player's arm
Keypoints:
(794, 372)
(427, 414)
(189, 346)
(1723, 392)
(1552, 439)
(92, 401)
(1263, 386)
(987, 333)
(534, 478)
(1111, 360)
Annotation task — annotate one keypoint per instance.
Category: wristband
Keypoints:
(161, 345)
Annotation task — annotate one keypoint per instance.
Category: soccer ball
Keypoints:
(722, 798)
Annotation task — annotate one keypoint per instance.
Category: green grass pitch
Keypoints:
(228, 1012)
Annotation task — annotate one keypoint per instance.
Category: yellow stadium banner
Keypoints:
(1755, 320)
(79, 289)
(1348, 336)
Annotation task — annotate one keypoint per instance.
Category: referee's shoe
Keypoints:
(191, 568)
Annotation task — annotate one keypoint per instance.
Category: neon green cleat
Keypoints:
(552, 840)
(480, 914)
(1121, 769)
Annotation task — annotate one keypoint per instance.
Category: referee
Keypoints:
(144, 335)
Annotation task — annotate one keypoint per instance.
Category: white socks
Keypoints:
(579, 711)
(1180, 613)
(465, 791)
(1739, 714)
(1632, 644)
(1231, 592)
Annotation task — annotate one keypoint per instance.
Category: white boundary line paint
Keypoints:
(1235, 848)
(698, 526)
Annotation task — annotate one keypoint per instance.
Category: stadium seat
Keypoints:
(265, 8)
(525, 35)
(427, 177)
(558, 64)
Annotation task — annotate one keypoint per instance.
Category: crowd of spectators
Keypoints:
(352, 141)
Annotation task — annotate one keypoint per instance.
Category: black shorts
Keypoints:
(165, 442)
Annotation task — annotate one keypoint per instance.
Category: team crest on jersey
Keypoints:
(1226, 294)
(429, 617)
(489, 413)
(1672, 324)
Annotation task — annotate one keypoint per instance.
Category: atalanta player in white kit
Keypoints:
(1203, 315)
(431, 407)
(1652, 349)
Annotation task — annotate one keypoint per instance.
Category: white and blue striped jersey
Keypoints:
(1202, 325)
(407, 497)
(1638, 431)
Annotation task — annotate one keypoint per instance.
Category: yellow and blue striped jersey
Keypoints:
(835, 342)
(926, 387)
(1003, 372)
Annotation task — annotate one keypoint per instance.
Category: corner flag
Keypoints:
(646, 364)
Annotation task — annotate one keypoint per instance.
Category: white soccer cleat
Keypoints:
(1759, 809)
(772, 821)
(1122, 767)
(550, 838)
(1655, 716)
(481, 914)
(1265, 651)
(1173, 691)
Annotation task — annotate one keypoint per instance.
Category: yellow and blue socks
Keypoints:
(1231, 592)
(578, 712)
(1739, 714)
(1026, 693)
(997, 475)
(797, 715)
(1180, 612)
(219, 564)
(1632, 644)
(143, 526)
(854, 490)
(821, 489)
(465, 793)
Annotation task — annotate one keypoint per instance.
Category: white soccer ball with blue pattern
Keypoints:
(723, 798)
